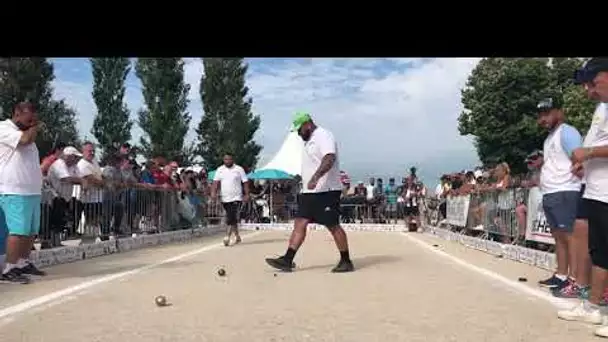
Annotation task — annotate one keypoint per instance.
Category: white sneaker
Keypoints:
(582, 313)
(226, 241)
(602, 331)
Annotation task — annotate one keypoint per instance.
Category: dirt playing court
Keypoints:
(405, 289)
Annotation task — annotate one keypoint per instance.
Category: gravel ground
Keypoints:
(400, 292)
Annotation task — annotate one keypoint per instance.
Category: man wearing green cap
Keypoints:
(319, 201)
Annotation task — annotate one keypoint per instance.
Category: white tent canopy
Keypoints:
(289, 157)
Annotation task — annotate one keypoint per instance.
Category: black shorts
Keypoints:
(597, 214)
(412, 211)
(581, 207)
(232, 210)
(322, 208)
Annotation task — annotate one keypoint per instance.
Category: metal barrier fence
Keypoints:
(509, 216)
(101, 214)
(105, 213)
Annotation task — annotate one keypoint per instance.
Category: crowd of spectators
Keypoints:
(498, 201)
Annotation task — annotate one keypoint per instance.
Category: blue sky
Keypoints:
(387, 113)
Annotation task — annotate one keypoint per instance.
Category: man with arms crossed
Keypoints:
(593, 159)
(319, 201)
(20, 191)
(560, 188)
(233, 182)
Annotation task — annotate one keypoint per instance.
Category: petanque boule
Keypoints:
(160, 301)
(221, 272)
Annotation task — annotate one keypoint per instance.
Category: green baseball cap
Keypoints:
(300, 119)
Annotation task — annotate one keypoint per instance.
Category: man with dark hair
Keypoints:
(233, 183)
(20, 191)
(560, 188)
(319, 201)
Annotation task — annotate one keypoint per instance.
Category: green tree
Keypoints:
(29, 79)
(165, 119)
(228, 124)
(112, 125)
(499, 99)
(577, 106)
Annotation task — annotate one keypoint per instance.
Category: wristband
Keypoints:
(588, 153)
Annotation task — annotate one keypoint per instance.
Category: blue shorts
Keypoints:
(560, 209)
(20, 214)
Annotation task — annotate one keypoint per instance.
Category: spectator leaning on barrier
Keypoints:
(91, 196)
(593, 160)
(50, 158)
(62, 176)
(20, 191)
(560, 188)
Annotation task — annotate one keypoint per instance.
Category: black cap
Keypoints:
(548, 103)
(590, 69)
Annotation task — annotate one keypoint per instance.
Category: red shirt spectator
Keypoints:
(160, 177)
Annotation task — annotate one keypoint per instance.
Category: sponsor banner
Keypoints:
(457, 210)
(537, 228)
(348, 227)
(517, 253)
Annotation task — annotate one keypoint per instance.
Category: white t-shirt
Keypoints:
(596, 169)
(556, 174)
(370, 192)
(58, 171)
(598, 116)
(86, 168)
(320, 144)
(20, 172)
(231, 182)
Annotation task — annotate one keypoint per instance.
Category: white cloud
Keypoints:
(388, 114)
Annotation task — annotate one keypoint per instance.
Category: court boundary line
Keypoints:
(560, 303)
(36, 302)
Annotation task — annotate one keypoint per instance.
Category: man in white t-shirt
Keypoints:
(561, 190)
(91, 195)
(234, 189)
(593, 160)
(319, 201)
(62, 176)
(20, 191)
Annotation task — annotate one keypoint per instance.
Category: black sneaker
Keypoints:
(14, 276)
(344, 266)
(32, 270)
(552, 282)
(281, 264)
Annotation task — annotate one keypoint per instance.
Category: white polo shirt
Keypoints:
(320, 144)
(20, 172)
(231, 182)
(58, 171)
(86, 168)
(596, 169)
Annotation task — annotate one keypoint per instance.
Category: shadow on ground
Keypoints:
(359, 262)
